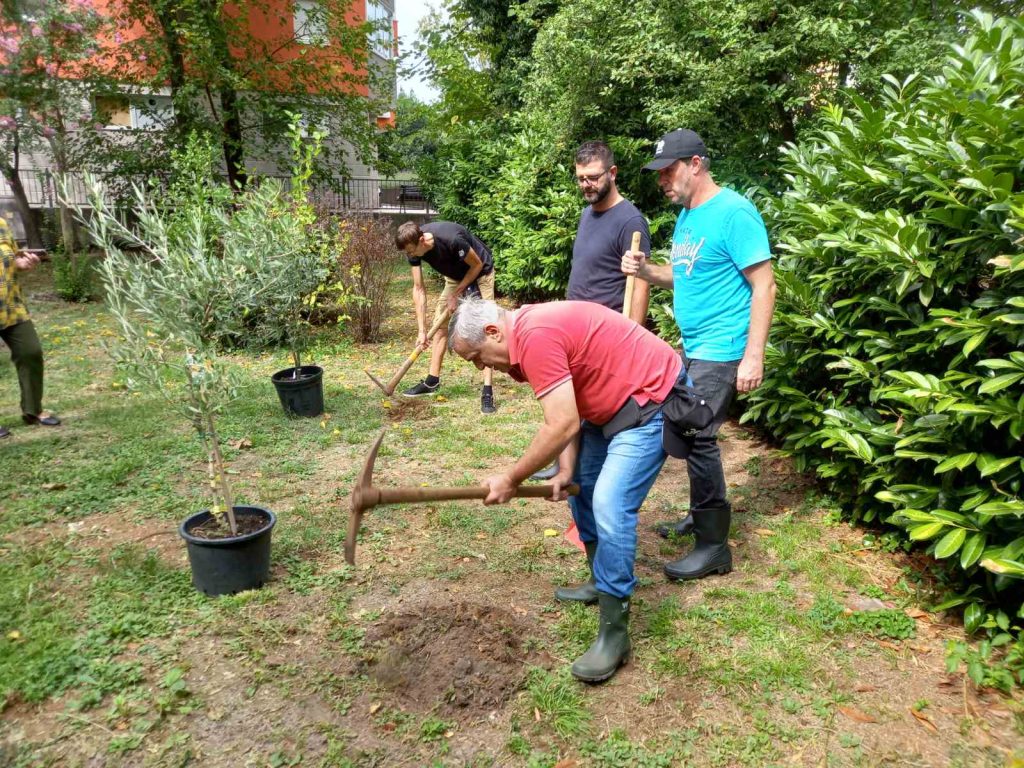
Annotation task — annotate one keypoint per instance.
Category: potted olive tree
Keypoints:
(295, 279)
(177, 284)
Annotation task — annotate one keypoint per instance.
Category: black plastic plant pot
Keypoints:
(302, 394)
(227, 566)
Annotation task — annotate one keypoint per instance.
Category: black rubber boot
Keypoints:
(611, 648)
(586, 592)
(710, 552)
(682, 528)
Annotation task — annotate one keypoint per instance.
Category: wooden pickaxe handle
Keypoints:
(366, 498)
(389, 388)
(627, 299)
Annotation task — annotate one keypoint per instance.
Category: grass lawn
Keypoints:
(444, 645)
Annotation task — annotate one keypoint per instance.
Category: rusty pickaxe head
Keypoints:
(363, 497)
(378, 382)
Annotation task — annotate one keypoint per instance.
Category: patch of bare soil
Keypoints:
(403, 409)
(460, 659)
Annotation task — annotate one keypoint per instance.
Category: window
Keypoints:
(113, 111)
(381, 38)
(145, 113)
(310, 22)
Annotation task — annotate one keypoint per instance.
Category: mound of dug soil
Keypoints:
(457, 658)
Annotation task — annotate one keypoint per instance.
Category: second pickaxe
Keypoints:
(389, 388)
(365, 496)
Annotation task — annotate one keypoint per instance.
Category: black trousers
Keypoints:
(27, 356)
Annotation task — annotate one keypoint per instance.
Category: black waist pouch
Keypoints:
(630, 415)
(687, 410)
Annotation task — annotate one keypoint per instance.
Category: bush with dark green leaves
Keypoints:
(896, 368)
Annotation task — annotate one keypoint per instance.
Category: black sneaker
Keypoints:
(487, 403)
(422, 389)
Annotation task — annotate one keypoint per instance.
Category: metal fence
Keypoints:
(368, 194)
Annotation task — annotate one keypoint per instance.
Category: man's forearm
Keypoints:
(641, 302)
(468, 280)
(762, 306)
(656, 274)
(419, 302)
(548, 443)
(567, 458)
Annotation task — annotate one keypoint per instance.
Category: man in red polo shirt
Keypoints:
(600, 379)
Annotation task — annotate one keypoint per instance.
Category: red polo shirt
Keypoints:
(608, 357)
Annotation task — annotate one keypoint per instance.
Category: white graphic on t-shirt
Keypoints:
(686, 253)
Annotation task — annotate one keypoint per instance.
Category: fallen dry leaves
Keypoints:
(855, 714)
(924, 720)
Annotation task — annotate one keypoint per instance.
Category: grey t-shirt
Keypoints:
(601, 239)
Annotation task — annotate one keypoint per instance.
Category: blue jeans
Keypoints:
(614, 477)
(717, 383)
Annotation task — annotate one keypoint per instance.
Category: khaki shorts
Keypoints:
(485, 283)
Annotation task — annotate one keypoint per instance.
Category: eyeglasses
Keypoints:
(581, 180)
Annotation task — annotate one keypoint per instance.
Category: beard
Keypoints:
(596, 194)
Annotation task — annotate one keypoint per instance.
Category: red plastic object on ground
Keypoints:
(573, 537)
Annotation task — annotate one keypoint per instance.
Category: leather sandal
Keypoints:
(44, 419)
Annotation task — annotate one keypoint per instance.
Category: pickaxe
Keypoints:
(389, 388)
(365, 496)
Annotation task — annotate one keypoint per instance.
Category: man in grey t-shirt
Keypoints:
(604, 234)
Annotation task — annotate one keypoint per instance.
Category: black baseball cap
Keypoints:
(676, 441)
(680, 144)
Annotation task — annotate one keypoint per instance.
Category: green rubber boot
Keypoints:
(611, 648)
(586, 592)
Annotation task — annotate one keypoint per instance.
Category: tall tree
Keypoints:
(45, 50)
(235, 70)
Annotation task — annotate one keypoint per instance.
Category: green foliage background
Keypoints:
(523, 84)
(896, 366)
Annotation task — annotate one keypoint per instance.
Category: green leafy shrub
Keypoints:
(896, 369)
(73, 276)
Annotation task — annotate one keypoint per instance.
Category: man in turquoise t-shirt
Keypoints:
(724, 290)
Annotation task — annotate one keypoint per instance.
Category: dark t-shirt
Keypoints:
(601, 239)
(451, 245)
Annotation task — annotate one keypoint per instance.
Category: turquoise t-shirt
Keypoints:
(712, 245)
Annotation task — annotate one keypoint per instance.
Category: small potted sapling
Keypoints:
(173, 285)
(296, 278)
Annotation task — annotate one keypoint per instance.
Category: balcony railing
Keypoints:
(365, 194)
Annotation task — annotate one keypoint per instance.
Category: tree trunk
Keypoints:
(32, 234)
(219, 474)
(231, 122)
(234, 152)
(67, 220)
(168, 14)
(10, 172)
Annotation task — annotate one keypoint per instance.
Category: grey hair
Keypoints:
(470, 318)
(705, 163)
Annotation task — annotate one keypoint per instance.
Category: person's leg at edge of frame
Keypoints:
(631, 465)
(593, 448)
(709, 507)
